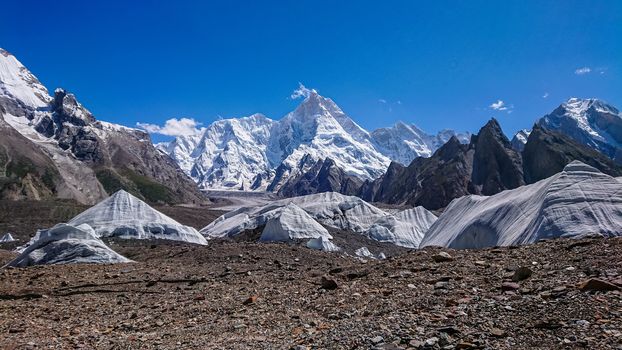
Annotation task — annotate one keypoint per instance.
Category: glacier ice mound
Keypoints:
(7, 238)
(322, 244)
(333, 210)
(292, 223)
(576, 202)
(125, 216)
(66, 244)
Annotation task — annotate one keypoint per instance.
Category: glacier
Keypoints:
(576, 202)
(7, 238)
(125, 216)
(66, 244)
(329, 209)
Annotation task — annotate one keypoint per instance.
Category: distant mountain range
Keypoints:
(53, 147)
(318, 148)
(258, 153)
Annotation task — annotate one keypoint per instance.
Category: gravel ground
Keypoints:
(240, 295)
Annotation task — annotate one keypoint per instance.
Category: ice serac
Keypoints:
(66, 244)
(487, 165)
(292, 223)
(576, 202)
(591, 122)
(327, 209)
(125, 216)
(55, 148)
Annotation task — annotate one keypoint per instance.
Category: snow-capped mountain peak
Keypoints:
(259, 153)
(591, 122)
(19, 85)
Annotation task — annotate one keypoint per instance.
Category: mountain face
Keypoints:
(546, 153)
(487, 165)
(55, 148)
(590, 122)
(321, 176)
(257, 153)
(520, 139)
(402, 143)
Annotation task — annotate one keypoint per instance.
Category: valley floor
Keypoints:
(238, 295)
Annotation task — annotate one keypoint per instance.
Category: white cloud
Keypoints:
(173, 127)
(546, 95)
(302, 91)
(383, 101)
(399, 102)
(582, 70)
(498, 106)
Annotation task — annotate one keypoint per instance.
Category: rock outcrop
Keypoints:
(547, 153)
(487, 165)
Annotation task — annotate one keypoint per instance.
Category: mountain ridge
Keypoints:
(64, 152)
(317, 128)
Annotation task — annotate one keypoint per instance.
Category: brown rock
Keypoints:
(328, 283)
(442, 257)
(522, 273)
(251, 300)
(595, 284)
(496, 332)
(509, 286)
(465, 345)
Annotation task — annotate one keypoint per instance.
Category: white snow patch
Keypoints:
(364, 252)
(17, 83)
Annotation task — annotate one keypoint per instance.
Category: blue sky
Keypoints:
(439, 65)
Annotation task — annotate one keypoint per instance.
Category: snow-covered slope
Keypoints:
(66, 244)
(591, 122)
(520, 139)
(257, 153)
(66, 153)
(123, 215)
(18, 84)
(332, 210)
(576, 202)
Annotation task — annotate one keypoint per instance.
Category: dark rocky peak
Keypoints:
(547, 152)
(66, 108)
(450, 150)
(496, 165)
